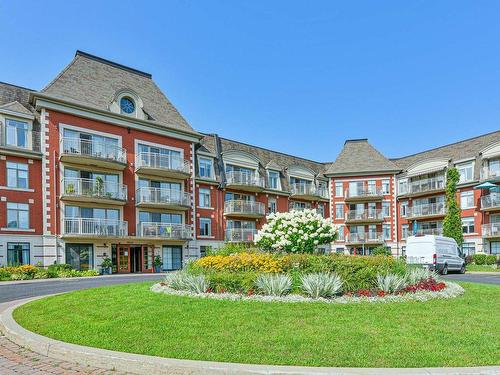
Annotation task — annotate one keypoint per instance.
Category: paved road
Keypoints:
(483, 278)
(12, 292)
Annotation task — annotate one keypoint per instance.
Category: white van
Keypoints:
(438, 253)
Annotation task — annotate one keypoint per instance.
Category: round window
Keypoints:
(127, 105)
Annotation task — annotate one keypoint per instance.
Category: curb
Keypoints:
(125, 275)
(149, 365)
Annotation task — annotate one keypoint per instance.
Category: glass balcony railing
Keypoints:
(369, 192)
(490, 201)
(365, 237)
(422, 210)
(164, 230)
(366, 215)
(490, 172)
(244, 208)
(93, 149)
(430, 231)
(240, 235)
(152, 160)
(309, 190)
(79, 226)
(158, 196)
(491, 230)
(93, 188)
(426, 185)
(244, 178)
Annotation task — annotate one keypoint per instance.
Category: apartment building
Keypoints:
(100, 164)
(421, 192)
(363, 201)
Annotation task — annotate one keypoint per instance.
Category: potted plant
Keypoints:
(158, 263)
(106, 266)
(70, 188)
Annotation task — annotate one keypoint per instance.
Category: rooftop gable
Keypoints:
(95, 82)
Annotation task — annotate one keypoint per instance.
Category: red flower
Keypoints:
(250, 292)
(380, 293)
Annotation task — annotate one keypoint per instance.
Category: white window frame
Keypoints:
(278, 182)
(466, 223)
(403, 208)
(18, 207)
(337, 186)
(270, 201)
(467, 196)
(205, 192)
(17, 170)
(463, 166)
(388, 183)
(209, 161)
(343, 210)
(203, 222)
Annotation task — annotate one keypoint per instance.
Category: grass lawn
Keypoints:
(460, 332)
(482, 268)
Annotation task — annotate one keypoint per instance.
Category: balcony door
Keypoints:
(172, 258)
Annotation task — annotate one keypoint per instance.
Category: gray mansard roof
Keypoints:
(92, 81)
(469, 148)
(15, 98)
(360, 157)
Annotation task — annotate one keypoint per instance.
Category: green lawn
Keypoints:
(460, 332)
(481, 268)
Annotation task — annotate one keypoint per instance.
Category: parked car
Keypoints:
(437, 253)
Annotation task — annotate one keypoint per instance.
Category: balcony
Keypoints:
(87, 152)
(164, 231)
(426, 186)
(308, 192)
(491, 230)
(364, 195)
(366, 238)
(244, 181)
(366, 216)
(490, 202)
(151, 197)
(243, 208)
(490, 173)
(98, 191)
(79, 227)
(26, 141)
(155, 164)
(422, 211)
(430, 231)
(240, 235)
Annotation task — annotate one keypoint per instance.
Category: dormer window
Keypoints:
(127, 105)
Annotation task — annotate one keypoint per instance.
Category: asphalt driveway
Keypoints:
(11, 292)
(481, 278)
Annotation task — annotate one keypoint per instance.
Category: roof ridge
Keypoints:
(20, 87)
(263, 148)
(447, 145)
(113, 64)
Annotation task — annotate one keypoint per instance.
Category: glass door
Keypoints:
(123, 258)
(172, 258)
(147, 258)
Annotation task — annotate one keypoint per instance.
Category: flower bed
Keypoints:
(29, 272)
(305, 277)
(449, 290)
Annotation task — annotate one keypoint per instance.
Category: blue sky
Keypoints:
(297, 77)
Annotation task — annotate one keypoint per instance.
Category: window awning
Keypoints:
(426, 171)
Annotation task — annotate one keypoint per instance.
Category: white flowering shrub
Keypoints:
(295, 232)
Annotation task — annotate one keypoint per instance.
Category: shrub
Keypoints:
(231, 248)
(185, 281)
(490, 259)
(479, 259)
(260, 262)
(452, 222)
(295, 232)
(232, 282)
(381, 250)
(273, 284)
(60, 267)
(391, 283)
(324, 285)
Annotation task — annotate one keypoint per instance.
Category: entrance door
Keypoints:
(147, 258)
(123, 258)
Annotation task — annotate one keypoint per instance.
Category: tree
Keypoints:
(452, 223)
(295, 232)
